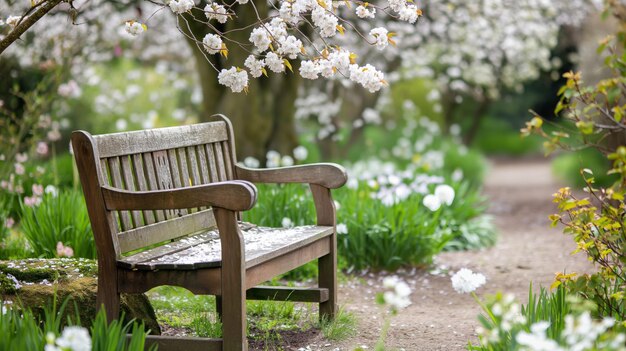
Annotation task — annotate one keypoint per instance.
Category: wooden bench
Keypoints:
(165, 205)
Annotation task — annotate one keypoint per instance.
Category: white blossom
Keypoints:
(379, 36)
(75, 338)
(273, 159)
(212, 43)
(286, 161)
(325, 21)
(300, 153)
(181, 6)
(342, 228)
(398, 295)
(134, 28)
(370, 78)
(260, 37)
(445, 194)
(216, 11)
(274, 62)
(290, 47)
(364, 12)
(13, 20)
(251, 162)
(309, 69)
(254, 65)
(466, 281)
(431, 202)
(235, 79)
(287, 222)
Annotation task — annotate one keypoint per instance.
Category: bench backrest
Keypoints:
(155, 159)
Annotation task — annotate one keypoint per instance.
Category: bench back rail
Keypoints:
(160, 159)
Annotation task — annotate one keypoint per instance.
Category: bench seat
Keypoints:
(203, 250)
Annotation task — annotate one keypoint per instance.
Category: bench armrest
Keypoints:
(328, 175)
(234, 195)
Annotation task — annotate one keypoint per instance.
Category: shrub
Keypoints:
(59, 219)
(594, 116)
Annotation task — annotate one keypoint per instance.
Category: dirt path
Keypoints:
(527, 250)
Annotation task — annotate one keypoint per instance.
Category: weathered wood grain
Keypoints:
(134, 142)
(328, 175)
(153, 234)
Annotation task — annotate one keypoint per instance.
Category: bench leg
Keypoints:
(233, 297)
(108, 297)
(328, 279)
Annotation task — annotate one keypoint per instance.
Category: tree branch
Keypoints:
(26, 23)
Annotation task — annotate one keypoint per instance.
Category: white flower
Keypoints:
(51, 190)
(16, 283)
(260, 38)
(309, 69)
(368, 77)
(379, 35)
(134, 28)
(286, 161)
(181, 6)
(273, 159)
(398, 296)
(363, 12)
(342, 228)
(13, 20)
(235, 79)
(409, 14)
(300, 153)
(445, 194)
(216, 11)
(432, 202)
(286, 222)
(254, 65)
(325, 21)
(75, 338)
(251, 162)
(290, 47)
(465, 281)
(212, 43)
(274, 62)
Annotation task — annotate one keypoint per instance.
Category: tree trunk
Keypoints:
(263, 119)
(477, 119)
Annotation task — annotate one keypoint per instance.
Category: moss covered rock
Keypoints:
(37, 283)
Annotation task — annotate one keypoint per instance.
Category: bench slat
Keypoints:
(204, 251)
(159, 232)
(142, 183)
(143, 141)
(116, 177)
(212, 163)
(153, 184)
(127, 173)
(175, 167)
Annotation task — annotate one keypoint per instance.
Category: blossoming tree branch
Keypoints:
(292, 30)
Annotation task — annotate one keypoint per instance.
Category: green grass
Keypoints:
(61, 218)
(179, 308)
(341, 328)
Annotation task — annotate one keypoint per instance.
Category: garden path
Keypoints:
(519, 194)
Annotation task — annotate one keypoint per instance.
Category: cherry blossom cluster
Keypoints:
(279, 38)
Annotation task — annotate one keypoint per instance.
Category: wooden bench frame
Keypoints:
(115, 200)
